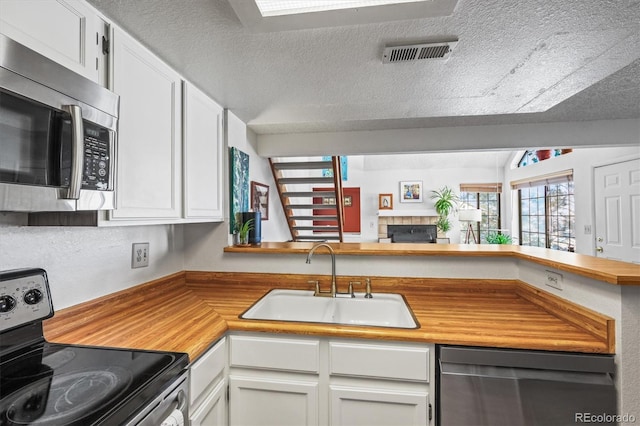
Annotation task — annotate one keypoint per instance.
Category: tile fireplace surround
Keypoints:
(383, 221)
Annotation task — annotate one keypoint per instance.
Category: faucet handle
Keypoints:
(367, 294)
(316, 285)
(351, 284)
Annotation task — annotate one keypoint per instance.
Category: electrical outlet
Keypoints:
(587, 230)
(554, 280)
(140, 255)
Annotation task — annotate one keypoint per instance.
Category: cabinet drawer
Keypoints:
(379, 361)
(207, 368)
(274, 353)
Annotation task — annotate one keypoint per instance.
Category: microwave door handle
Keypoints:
(77, 151)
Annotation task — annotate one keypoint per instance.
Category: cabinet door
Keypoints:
(203, 153)
(262, 401)
(66, 31)
(213, 410)
(377, 407)
(149, 177)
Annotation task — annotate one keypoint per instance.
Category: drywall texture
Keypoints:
(275, 228)
(630, 366)
(85, 263)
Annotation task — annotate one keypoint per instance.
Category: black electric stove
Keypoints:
(44, 383)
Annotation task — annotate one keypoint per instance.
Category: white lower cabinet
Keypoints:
(213, 410)
(208, 387)
(258, 401)
(351, 406)
(291, 380)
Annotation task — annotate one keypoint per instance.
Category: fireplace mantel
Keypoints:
(404, 217)
(405, 213)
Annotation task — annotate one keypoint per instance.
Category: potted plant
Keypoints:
(446, 202)
(495, 238)
(243, 231)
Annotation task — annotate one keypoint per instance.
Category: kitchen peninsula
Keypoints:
(498, 311)
(480, 296)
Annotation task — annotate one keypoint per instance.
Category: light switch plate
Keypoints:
(140, 255)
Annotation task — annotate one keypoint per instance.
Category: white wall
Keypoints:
(374, 178)
(84, 263)
(582, 162)
(238, 136)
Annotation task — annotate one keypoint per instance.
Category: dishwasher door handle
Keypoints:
(512, 373)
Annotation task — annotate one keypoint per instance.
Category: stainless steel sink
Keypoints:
(382, 310)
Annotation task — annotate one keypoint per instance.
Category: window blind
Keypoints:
(548, 179)
(481, 187)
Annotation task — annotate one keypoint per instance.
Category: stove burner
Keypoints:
(68, 397)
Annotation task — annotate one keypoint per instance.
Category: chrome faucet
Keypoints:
(333, 269)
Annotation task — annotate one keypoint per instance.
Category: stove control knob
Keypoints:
(7, 303)
(33, 296)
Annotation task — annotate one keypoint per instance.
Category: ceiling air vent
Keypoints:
(415, 52)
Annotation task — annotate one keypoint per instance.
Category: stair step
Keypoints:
(310, 206)
(302, 165)
(320, 217)
(304, 180)
(323, 228)
(309, 194)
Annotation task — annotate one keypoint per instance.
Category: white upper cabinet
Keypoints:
(203, 156)
(149, 178)
(170, 146)
(67, 31)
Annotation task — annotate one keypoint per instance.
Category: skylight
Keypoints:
(293, 7)
(290, 15)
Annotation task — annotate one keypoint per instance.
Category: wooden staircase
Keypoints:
(304, 192)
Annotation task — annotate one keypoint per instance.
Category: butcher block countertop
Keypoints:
(189, 311)
(610, 271)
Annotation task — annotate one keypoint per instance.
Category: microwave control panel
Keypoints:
(96, 171)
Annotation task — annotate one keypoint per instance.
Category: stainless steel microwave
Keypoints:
(58, 133)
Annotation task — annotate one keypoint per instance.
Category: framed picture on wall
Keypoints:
(260, 199)
(411, 191)
(385, 202)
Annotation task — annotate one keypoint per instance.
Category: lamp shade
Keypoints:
(470, 215)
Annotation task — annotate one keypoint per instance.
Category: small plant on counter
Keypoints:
(243, 231)
(495, 238)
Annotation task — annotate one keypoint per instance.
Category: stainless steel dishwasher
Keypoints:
(492, 387)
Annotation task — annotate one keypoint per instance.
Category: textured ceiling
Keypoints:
(516, 62)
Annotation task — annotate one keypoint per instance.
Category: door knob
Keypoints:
(599, 249)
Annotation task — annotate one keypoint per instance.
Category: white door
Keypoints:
(149, 178)
(617, 217)
(378, 407)
(272, 402)
(66, 31)
(213, 410)
(203, 156)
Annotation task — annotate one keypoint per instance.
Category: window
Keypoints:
(531, 156)
(547, 212)
(485, 197)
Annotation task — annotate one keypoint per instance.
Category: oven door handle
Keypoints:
(77, 151)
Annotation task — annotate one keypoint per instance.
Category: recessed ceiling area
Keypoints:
(514, 62)
(293, 7)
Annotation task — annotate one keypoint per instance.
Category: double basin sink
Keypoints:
(381, 310)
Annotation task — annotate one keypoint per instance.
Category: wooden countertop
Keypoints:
(190, 311)
(610, 271)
